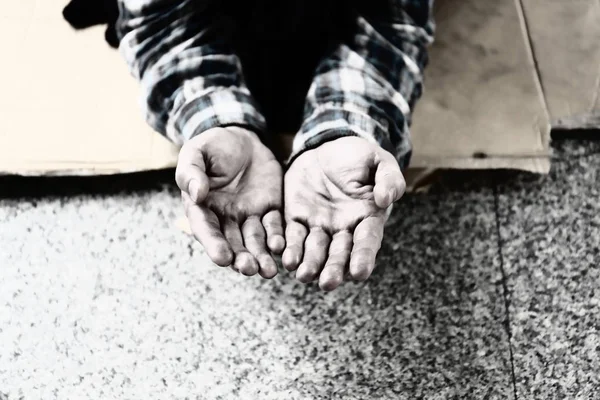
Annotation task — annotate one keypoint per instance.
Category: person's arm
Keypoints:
(191, 80)
(369, 86)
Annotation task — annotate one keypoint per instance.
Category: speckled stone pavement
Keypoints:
(487, 288)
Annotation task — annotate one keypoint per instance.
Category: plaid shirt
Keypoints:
(193, 81)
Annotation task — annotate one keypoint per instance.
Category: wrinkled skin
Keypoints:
(336, 197)
(231, 186)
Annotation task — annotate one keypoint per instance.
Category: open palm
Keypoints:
(336, 198)
(231, 189)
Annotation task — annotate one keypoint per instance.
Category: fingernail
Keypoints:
(194, 190)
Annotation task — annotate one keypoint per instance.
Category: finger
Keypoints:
(190, 174)
(295, 235)
(243, 261)
(339, 255)
(274, 228)
(367, 242)
(315, 253)
(254, 239)
(207, 230)
(389, 181)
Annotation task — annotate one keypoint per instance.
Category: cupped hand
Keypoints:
(336, 197)
(231, 186)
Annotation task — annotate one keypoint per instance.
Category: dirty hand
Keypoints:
(231, 189)
(336, 197)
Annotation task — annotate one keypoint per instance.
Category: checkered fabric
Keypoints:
(192, 80)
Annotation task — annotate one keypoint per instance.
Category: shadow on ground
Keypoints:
(13, 186)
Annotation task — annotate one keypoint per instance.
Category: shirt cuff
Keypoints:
(216, 107)
(330, 122)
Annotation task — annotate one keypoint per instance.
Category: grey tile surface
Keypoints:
(566, 150)
(550, 229)
(444, 257)
(102, 297)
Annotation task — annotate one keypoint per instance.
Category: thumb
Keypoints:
(190, 174)
(389, 181)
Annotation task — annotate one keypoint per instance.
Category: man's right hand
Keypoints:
(231, 186)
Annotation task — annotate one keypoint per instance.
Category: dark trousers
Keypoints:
(280, 44)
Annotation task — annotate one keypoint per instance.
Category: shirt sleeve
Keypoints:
(369, 85)
(191, 80)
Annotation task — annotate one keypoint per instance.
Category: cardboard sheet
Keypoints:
(69, 105)
(483, 107)
(566, 43)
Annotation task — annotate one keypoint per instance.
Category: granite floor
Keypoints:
(488, 287)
